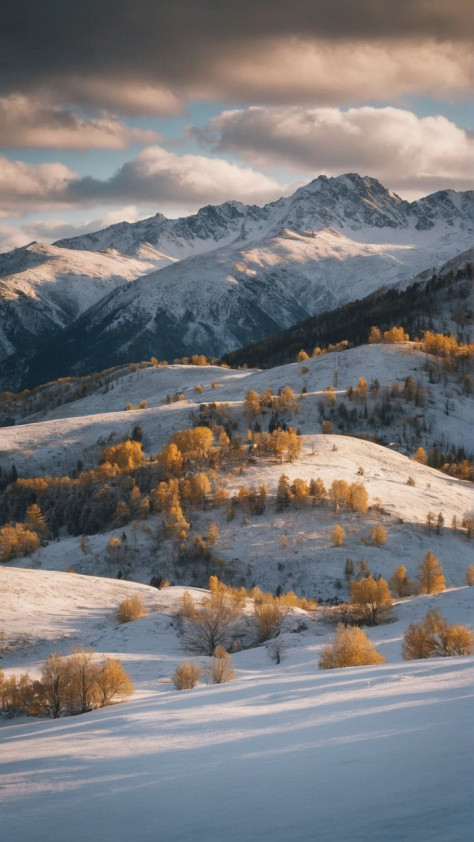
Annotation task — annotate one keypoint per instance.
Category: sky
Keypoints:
(120, 109)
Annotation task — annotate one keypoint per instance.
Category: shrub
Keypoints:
(131, 608)
(186, 676)
(187, 609)
(338, 535)
(269, 616)
(221, 669)
(431, 574)
(470, 575)
(17, 540)
(350, 648)
(359, 498)
(435, 637)
(378, 535)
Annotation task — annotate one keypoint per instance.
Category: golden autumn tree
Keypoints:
(126, 455)
(434, 637)
(400, 584)
(430, 573)
(372, 597)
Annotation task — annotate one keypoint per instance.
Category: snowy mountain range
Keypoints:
(220, 279)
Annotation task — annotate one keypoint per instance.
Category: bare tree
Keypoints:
(212, 623)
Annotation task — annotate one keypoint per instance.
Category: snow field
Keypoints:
(282, 752)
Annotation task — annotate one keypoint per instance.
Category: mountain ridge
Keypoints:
(220, 279)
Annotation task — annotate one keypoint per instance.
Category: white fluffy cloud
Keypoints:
(27, 122)
(155, 177)
(24, 187)
(50, 229)
(407, 153)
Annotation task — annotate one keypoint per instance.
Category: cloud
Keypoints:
(171, 180)
(25, 186)
(117, 93)
(407, 153)
(154, 177)
(319, 72)
(25, 122)
(139, 56)
(50, 229)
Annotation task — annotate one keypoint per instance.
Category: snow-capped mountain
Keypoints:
(348, 203)
(219, 279)
(44, 288)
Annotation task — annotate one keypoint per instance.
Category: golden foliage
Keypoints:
(131, 608)
(221, 668)
(400, 584)
(378, 535)
(338, 535)
(269, 615)
(434, 637)
(126, 456)
(350, 648)
(431, 575)
(186, 676)
(372, 597)
(17, 540)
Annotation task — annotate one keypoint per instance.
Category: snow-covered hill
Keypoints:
(52, 440)
(293, 549)
(282, 752)
(227, 276)
(285, 751)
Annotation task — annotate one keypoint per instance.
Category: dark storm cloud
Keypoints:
(85, 48)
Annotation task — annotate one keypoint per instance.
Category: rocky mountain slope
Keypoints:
(223, 278)
(441, 300)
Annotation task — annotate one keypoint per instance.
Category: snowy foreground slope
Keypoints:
(283, 752)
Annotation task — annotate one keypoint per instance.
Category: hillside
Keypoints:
(282, 744)
(291, 548)
(441, 300)
(52, 440)
(245, 759)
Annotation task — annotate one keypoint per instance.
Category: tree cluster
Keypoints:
(434, 637)
(71, 684)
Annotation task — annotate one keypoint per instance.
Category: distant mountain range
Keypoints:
(221, 279)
